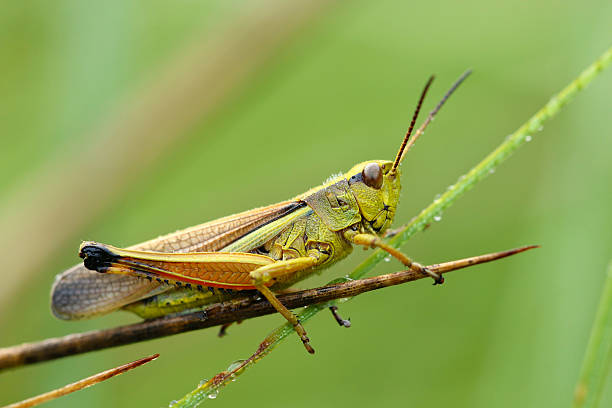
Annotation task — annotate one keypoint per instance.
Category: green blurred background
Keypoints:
(103, 137)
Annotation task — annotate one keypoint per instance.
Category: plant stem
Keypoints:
(596, 363)
(79, 385)
(218, 314)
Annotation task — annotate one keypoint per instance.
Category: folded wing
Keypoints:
(79, 293)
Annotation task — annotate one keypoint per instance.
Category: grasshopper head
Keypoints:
(376, 183)
(377, 190)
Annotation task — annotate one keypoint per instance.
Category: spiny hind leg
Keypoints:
(372, 241)
(268, 273)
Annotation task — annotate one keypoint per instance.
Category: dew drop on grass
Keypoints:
(235, 365)
(204, 381)
(491, 171)
(214, 394)
(528, 138)
(437, 218)
(172, 403)
(388, 258)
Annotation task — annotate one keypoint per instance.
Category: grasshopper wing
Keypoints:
(79, 293)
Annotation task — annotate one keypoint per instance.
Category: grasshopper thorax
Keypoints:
(376, 189)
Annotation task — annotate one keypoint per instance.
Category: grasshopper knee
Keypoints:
(260, 276)
(281, 269)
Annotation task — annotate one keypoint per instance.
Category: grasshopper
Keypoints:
(267, 249)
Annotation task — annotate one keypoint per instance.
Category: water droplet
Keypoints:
(235, 365)
(172, 403)
(491, 171)
(213, 394)
(204, 381)
(388, 258)
(528, 138)
(437, 218)
(437, 197)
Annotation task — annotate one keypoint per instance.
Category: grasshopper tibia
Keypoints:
(223, 329)
(287, 314)
(342, 322)
(372, 241)
(276, 270)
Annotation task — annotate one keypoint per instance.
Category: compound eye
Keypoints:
(372, 175)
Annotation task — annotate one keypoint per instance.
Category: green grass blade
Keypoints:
(210, 389)
(596, 364)
(465, 183)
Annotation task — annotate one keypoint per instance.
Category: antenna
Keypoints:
(414, 118)
(408, 143)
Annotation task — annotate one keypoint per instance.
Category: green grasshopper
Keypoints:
(267, 249)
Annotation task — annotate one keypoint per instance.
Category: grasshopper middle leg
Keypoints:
(267, 273)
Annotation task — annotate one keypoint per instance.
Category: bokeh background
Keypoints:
(121, 121)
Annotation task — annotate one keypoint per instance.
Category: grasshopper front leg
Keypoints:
(372, 241)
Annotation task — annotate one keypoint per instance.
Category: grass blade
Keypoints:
(596, 363)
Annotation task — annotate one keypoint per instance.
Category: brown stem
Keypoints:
(217, 314)
(79, 385)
